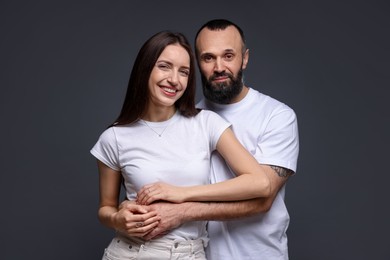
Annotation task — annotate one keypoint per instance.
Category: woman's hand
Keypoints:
(134, 220)
(160, 191)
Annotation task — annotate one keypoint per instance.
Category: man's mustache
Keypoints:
(221, 74)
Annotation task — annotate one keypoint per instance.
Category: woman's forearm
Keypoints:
(243, 187)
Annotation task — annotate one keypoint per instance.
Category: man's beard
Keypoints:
(223, 92)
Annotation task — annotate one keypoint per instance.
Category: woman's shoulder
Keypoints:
(107, 135)
(209, 115)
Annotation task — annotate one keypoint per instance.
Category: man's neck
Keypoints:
(241, 95)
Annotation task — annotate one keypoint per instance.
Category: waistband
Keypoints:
(165, 244)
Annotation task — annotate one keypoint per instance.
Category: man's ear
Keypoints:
(245, 59)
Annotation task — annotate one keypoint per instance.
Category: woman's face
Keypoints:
(169, 77)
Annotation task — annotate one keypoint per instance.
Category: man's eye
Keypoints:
(229, 56)
(207, 58)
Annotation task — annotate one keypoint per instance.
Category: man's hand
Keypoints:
(135, 220)
(171, 216)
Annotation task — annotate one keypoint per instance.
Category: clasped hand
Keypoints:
(160, 191)
(135, 220)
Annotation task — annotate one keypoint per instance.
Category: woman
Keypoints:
(161, 137)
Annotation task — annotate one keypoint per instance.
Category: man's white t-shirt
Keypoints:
(268, 129)
(180, 156)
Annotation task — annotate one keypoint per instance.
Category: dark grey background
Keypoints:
(64, 71)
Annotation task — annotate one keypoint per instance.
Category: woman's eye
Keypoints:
(185, 72)
(163, 66)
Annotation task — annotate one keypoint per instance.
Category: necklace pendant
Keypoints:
(151, 128)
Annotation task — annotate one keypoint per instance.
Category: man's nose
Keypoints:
(218, 65)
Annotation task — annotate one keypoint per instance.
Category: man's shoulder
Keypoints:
(252, 102)
(266, 102)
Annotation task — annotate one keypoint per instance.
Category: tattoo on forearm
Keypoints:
(282, 172)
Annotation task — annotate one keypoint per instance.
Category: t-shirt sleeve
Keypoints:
(106, 149)
(279, 145)
(215, 126)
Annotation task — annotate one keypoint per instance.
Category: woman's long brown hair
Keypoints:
(137, 95)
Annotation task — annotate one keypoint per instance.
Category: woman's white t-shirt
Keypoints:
(180, 156)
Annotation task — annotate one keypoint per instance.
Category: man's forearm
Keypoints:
(195, 211)
(172, 215)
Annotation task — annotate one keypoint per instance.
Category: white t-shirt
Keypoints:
(268, 129)
(181, 156)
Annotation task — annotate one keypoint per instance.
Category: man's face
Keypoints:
(221, 64)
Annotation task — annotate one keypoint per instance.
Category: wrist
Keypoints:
(112, 220)
(189, 193)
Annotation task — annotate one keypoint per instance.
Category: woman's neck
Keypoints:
(159, 114)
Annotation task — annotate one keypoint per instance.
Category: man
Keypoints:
(266, 127)
(253, 229)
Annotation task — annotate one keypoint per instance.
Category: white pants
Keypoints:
(122, 248)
